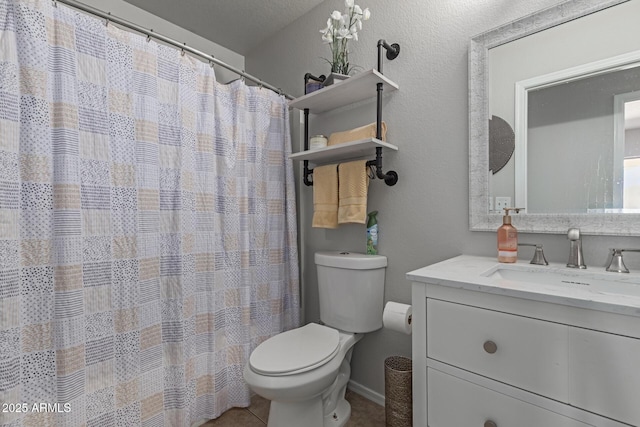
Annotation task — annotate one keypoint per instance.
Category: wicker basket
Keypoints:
(397, 391)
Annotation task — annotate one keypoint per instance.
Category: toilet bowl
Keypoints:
(314, 386)
(304, 372)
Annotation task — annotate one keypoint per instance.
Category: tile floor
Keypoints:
(364, 413)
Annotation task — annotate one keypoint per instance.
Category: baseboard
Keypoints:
(366, 392)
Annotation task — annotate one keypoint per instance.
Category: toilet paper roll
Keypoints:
(397, 317)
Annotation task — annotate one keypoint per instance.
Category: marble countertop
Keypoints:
(591, 289)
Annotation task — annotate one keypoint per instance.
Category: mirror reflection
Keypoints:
(631, 140)
(577, 136)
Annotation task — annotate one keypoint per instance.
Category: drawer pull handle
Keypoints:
(490, 347)
(490, 423)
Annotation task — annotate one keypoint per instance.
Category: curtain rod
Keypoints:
(183, 46)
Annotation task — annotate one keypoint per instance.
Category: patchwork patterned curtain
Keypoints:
(147, 226)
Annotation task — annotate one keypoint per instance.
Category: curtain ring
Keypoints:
(149, 37)
(106, 21)
(260, 85)
(182, 52)
(242, 77)
(55, 3)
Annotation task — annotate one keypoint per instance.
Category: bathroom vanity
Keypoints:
(505, 345)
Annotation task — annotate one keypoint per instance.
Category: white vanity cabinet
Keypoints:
(498, 353)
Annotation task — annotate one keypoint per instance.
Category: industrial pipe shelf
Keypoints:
(354, 89)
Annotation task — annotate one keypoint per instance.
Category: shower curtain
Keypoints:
(147, 226)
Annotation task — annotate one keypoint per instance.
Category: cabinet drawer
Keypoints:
(605, 374)
(454, 402)
(526, 353)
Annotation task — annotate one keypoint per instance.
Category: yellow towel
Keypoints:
(356, 134)
(325, 197)
(353, 185)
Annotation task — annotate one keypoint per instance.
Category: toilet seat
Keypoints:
(295, 351)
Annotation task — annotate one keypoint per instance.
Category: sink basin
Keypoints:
(601, 283)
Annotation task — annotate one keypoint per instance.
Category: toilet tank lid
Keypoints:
(350, 260)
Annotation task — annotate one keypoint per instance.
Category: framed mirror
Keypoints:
(531, 58)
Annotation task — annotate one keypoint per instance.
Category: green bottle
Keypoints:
(372, 234)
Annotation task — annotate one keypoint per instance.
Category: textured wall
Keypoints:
(424, 218)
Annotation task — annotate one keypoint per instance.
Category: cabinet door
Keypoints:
(605, 374)
(523, 352)
(453, 402)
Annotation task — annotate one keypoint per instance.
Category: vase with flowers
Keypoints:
(342, 27)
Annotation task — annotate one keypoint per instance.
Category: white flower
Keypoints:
(342, 27)
(328, 28)
(344, 33)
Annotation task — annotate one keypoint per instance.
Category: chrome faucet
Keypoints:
(616, 264)
(576, 260)
(538, 255)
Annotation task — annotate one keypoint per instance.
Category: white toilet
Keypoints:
(304, 371)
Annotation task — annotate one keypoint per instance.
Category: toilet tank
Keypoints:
(351, 290)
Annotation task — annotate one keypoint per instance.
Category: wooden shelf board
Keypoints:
(356, 88)
(343, 152)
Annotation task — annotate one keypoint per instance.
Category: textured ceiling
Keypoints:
(239, 25)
